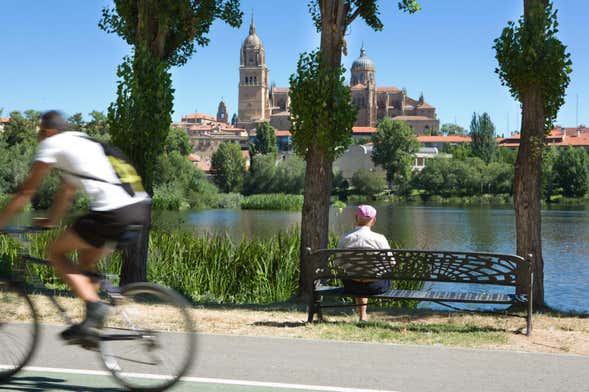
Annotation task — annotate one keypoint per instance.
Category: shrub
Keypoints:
(278, 201)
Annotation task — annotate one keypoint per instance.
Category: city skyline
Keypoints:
(445, 52)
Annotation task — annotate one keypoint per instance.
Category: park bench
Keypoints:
(482, 272)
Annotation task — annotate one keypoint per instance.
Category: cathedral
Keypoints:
(259, 102)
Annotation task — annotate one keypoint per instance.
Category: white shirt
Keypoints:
(364, 238)
(73, 152)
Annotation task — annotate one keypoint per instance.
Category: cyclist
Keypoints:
(117, 200)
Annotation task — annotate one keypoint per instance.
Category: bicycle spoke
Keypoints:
(164, 354)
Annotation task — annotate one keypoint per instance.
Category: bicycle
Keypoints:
(131, 344)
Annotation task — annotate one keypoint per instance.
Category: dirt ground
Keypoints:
(552, 332)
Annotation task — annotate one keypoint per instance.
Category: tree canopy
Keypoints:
(482, 132)
(395, 146)
(229, 167)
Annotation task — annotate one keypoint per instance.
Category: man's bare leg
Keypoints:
(57, 253)
(80, 284)
(362, 303)
(87, 258)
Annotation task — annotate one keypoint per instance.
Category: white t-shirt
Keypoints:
(363, 238)
(75, 153)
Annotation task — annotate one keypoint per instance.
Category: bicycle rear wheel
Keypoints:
(148, 341)
(19, 329)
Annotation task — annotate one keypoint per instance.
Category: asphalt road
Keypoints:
(240, 363)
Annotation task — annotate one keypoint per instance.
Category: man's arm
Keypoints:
(25, 192)
(63, 199)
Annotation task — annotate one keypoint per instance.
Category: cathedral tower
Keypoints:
(253, 105)
(222, 116)
(364, 89)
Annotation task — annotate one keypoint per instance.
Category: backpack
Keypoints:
(126, 172)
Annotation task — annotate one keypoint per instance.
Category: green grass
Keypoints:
(411, 333)
(274, 201)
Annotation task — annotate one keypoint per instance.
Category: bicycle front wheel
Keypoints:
(148, 341)
(19, 329)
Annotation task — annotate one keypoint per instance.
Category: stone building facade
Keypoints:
(259, 102)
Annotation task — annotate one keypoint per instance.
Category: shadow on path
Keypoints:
(39, 384)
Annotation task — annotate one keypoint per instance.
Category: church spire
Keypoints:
(252, 25)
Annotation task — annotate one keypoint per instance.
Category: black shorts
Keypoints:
(367, 288)
(99, 227)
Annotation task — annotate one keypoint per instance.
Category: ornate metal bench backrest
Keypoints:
(420, 265)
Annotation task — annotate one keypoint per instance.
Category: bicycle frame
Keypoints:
(18, 276)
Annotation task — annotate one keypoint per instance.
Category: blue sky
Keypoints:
(55, 56)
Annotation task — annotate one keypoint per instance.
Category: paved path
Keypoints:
(239, 363)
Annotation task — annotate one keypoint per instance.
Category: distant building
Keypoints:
(559, 137)
(3, 122)
(359, 156)
(207, 132)
(259, 102)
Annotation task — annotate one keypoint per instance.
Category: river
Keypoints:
(565, 236)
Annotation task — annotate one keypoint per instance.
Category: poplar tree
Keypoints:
(534, 65)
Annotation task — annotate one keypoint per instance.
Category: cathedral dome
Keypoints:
(363, 63)
(252, 40)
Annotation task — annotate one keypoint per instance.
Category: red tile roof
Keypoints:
(559, 137)
(366, 130)
(280, 89)
(4, 120)
(358, 86)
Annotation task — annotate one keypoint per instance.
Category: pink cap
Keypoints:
(366, 211)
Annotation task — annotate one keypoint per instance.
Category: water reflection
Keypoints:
(565, 236)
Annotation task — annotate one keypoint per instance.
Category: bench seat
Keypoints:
(426, 295)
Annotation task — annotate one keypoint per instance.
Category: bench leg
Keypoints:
(315, 307)
(529, 320)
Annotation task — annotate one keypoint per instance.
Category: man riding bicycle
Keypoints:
(117, 200)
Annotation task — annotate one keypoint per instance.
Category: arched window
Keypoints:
(255, 80)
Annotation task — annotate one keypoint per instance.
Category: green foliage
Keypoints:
(169, 27)
(14, 165)
(482, 132)
(140, 117)
(450, 129)
(531, 56)
(312, 88)
(368, 183)
(265, 142)
(394, 147)
(22, 129)
(177, 140)
(179, 185)
(267, 175)
(571, 172)
(162, 34)
(97, 126)
(549, 156)
(367, 9)
(276, 201)
(460, 151)
(229, 166)
(452, 177)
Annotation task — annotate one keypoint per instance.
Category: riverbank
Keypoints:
(553, 332)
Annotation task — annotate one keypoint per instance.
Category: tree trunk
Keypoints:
(315, 216)
(134, 268)
(318, 174)
(527, 187)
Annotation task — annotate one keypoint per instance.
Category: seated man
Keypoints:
(362, 237)
(117, 200)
